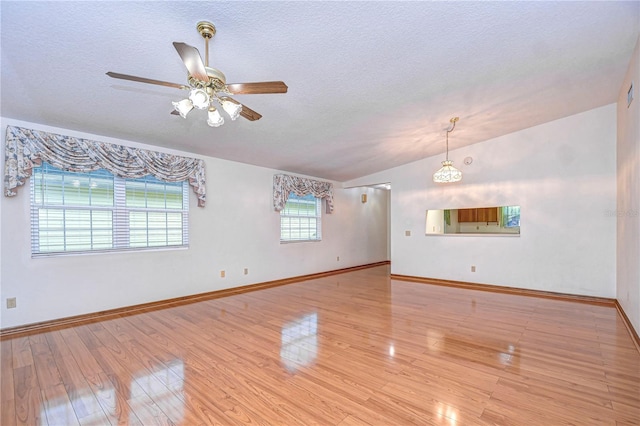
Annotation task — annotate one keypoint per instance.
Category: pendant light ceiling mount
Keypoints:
(448, 173)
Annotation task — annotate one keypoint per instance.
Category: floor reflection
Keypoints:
(165, 386)
(299, 342)
(446, 413)
(161, 387)
(506, 357)
(492, 352)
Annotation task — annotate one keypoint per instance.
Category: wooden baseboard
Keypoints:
(509, 290)
(627, 322)
(45, 326)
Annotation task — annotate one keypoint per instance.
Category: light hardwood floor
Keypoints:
(350, 349)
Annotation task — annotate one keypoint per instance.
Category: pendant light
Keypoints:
(447, 172)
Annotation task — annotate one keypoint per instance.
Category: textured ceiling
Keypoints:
(372, 85)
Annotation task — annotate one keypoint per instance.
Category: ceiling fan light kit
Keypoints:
(448, 173)
(230, 108)
(199, 98)
(214, 118)
(208, 86)
(183, 107)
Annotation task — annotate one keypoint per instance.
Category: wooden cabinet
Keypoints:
(484, 214)
(467, 215)
(488, 214)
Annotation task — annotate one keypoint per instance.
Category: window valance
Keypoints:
(25, 149)
(284, 184)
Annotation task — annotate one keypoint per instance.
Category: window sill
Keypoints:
(298, 241)
(99, 252)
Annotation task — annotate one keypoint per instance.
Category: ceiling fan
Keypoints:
(208, 86)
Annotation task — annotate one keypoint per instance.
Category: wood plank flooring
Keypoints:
(350, 349)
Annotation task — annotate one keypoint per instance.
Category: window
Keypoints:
(97, 211)
(300, 219)
(511, 216)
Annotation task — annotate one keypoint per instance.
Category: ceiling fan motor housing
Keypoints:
(215, 74)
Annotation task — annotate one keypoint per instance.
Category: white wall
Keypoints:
(628, 209)
(561, 173)
(435, 221)
(237, 229)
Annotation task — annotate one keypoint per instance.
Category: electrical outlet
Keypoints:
(11, 303)
(221, 274)
(473, 269)
(338, 259)
(246, 271)
(407, 233)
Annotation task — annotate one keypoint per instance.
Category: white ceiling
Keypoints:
(372, 85)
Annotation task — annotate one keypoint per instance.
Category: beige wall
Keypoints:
(628, 206)
(563, 176)
(237, 229)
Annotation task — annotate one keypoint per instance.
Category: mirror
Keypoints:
(477, 220)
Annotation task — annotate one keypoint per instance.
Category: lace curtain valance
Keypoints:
(284, 184)
(27, 148)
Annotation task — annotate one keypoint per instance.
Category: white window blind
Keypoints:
(97, 211)
(300, 220)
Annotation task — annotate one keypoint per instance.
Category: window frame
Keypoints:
(286, 213)
(120, 231)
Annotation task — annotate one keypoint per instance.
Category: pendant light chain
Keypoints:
(448, 173)
(453, 120)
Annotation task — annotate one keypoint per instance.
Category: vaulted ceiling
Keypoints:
(372, 85)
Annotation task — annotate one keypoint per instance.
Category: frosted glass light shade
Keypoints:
(199, 98)
(183, 107)
(447, 173)
(232, 109)
(215, 119)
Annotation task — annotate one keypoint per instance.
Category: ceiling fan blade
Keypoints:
(246, 112)
(257, 88)
(250, 114)
(145, 80)
(192, 60)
